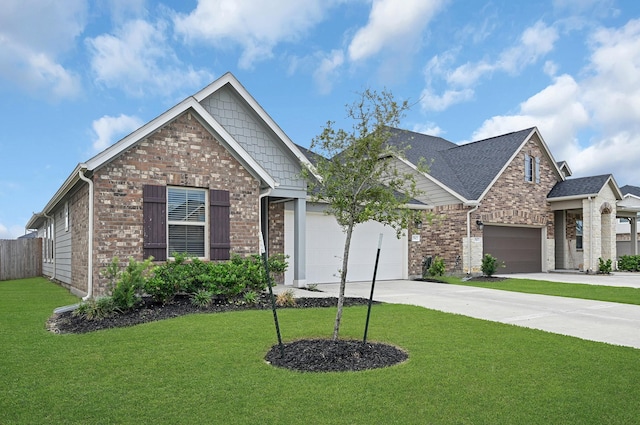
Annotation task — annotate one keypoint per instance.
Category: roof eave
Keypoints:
(58, 196)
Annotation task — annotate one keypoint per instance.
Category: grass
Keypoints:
(572, 290)
(210, 369)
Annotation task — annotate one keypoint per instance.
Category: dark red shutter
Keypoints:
(154, 211)
(220, 235)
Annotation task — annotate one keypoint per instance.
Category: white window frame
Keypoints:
(66, 216)
(528, 168)
(580, 247)
(204, 224)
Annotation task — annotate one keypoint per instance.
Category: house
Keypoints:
(215, 171)
(508, 196)
(628, 225)
(204, 177)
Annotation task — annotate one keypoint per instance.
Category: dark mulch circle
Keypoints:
(324, 355)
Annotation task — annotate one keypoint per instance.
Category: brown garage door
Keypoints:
(518, 247)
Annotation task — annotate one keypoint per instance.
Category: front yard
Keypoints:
(209, 368)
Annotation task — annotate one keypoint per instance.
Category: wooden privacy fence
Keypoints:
(20, 258)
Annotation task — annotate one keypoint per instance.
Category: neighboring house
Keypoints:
(507, 196)
(628, 225)
(210, 174)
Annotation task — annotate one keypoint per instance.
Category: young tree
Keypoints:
(357, 175)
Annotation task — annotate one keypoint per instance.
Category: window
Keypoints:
(186, 218)
(531, 168)
(528, 168)
(578, 234)
(66, 216)
(179, 219)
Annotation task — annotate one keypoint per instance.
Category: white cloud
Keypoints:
(534, 43)
(33, 34)
(433, 102)
(605, 104)
(11, 232)
(393, 25)
(108, 129)
(256, 26)
(139, 60)
(429, 128)
(558, 113)
(327, 72)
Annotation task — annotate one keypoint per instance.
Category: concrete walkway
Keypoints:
(608, 322)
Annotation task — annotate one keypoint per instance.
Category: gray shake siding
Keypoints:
(260, 142)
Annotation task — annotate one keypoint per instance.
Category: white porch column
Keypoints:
(300, 242)
(634, 236)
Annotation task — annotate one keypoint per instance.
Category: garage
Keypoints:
(520, 248)
(325, 243)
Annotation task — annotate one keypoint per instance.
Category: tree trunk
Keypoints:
(343, 281)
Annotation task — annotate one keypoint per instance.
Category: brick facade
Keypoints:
(182, 153)
(440, 236)
(510, 201)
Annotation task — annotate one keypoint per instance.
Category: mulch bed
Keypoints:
(314, 355)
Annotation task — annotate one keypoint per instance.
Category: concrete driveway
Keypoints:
(608, 322)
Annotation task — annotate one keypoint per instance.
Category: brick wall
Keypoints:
(512, 200)
(182, 153)
(441, 236)
(79, 219)
(276, 228)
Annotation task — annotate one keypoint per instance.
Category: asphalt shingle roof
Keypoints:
(628, 189)
(467, 169)
(580, 186)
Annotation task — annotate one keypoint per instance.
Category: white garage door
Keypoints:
(325, 245)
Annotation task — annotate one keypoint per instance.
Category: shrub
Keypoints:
(629, 263)
(604, 267)
(490, 265)
(202, 298)
(227, 279)
(250, 297)
(286, 298)
(96, 309)
(437, 267)
(131, 283)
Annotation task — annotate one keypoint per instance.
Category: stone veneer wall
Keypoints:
(182, 153)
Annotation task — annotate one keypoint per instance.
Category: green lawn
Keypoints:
(572, 290)
(208, 369)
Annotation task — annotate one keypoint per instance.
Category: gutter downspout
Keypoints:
(90, 231)
(53, 238)
(260, 197)
(469, 236)
(590, 234)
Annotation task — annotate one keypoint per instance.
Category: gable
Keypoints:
(512, 192)
(226, 107)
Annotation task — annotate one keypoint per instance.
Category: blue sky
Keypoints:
(76, 75)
